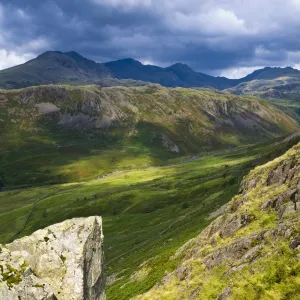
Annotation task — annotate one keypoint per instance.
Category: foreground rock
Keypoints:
(63, 261)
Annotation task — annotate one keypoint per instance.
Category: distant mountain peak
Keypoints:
(74, 54)
(125, 62)
(278, 68)
(181, 67)
(49, 53)
(130, 60)
(270, 73)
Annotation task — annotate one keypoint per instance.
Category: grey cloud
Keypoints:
(209, 36)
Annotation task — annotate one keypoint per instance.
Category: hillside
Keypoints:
(284, 91)
(252, 250)
(55, 67)
(64, 134)
(269, 73)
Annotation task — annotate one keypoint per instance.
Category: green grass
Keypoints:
(292, 104)
(36, 150)
(69, 156)
(152, 202)
(148, 213)
(267, 269)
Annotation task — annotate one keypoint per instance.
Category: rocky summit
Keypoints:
(63, 261)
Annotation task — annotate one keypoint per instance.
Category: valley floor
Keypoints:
(148, 213)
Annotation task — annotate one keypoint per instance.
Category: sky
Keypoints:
(219, 37)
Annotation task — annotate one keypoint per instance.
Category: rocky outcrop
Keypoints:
(253, 249)
(64, 261)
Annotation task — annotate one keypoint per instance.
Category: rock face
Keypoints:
(64, 261)
(252, 251)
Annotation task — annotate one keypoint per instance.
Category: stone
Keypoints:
(64, 261)
(232, 252)
(234, 223)
(182, 272)
(195, 293)
(225, 294)
(295, 244)
(286, 170)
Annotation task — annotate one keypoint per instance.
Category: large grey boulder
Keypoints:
(64, 261)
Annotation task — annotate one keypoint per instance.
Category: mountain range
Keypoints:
(55, 67)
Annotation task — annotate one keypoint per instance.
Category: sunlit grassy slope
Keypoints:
(252, 250)
(148, 213)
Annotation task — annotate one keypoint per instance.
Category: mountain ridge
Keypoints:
(56, 67)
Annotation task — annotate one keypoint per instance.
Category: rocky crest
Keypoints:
(252, 251)
(179, 120)
(64, 261)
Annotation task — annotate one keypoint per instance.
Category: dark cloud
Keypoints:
(210, 35)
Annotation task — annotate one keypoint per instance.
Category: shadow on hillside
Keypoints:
(58, 155)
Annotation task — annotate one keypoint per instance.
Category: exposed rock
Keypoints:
(195, 293)
(63, 261)
(182, 273)
(225, 294)
(234, 251)
(274, 203)
(248, 184)
(284, 171)
(295, 244)
(46, 108)
(234, 223)
(287, 210)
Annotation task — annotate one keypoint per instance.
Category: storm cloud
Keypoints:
(220, 37)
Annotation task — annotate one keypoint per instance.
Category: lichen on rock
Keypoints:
(64, 261)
